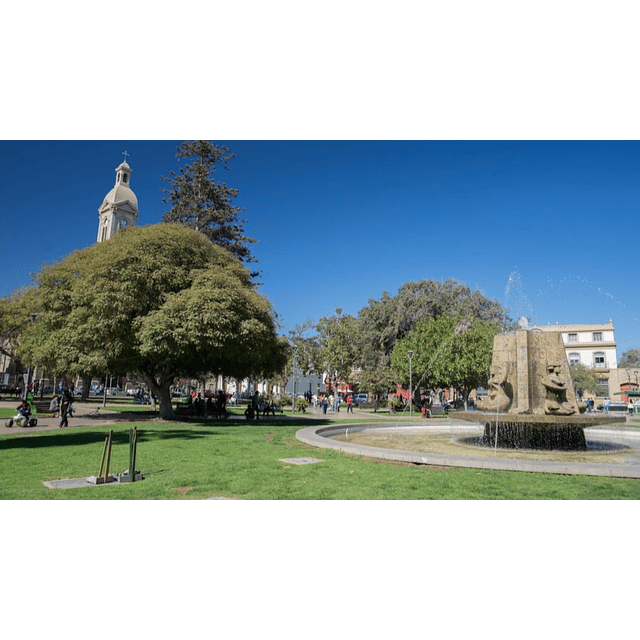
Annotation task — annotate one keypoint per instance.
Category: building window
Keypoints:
(573, 337)
(597, 337)
(599, 360)
(602, 390)
(574, 358)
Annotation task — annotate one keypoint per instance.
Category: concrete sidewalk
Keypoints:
(84, 415)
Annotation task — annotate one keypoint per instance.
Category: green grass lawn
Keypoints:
(234, 459)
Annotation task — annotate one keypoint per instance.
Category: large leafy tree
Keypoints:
(390, 319)
(448, 352)
(304, 347)
(159, 302)
(205, 204)
(337, 345)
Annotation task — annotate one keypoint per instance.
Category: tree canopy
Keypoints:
(360, 348)
(158, 301)
(337, 345)
(383, 322)
(448, 352)
(630, 359)
(204, 204)
(16, 312)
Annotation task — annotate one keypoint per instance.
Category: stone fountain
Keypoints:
(531, 402)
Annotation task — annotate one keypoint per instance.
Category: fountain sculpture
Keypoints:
(531, 402)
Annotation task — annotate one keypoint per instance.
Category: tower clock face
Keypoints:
(123, 223)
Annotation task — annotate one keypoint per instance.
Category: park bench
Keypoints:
(188, 410)
(184, 410)
(437, 410)
(42, 407)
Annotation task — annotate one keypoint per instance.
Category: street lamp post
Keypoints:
(293, 391)
(33, 317)
(410, 354)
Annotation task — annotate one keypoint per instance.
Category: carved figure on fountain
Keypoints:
(531, 401)
(500, 394)
(556, 402)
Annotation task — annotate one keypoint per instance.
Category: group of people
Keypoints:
(331, 403)
(606, 405)
(259, 405)
(61, 406)
(217, 409)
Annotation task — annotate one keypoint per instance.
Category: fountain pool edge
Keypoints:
(320, 436)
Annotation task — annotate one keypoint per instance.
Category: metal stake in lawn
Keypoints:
(130, 476)
(133, 443)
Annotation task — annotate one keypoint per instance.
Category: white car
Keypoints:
(359, 398)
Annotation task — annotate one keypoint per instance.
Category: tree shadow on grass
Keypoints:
(194, 429)
(77, 437)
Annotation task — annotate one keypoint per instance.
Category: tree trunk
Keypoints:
(162, 392)
(164, 401)
(86, 387)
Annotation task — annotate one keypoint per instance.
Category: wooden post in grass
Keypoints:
(104, 456)
(105, 477)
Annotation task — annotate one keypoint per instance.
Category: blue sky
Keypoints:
(547, 228)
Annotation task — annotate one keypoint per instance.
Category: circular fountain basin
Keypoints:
(537, 431)
(625, 466)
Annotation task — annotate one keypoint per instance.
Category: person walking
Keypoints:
(255, 403)
(65, 408)
(54, 406)
(349, 403)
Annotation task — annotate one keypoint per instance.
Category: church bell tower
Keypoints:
(119, 208)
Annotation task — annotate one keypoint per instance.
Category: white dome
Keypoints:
(119, 195)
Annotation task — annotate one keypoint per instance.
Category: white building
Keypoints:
(594, 346)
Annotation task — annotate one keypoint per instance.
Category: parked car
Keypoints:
(615, 406)
(359, 398)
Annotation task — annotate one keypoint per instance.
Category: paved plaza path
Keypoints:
(94, 414)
